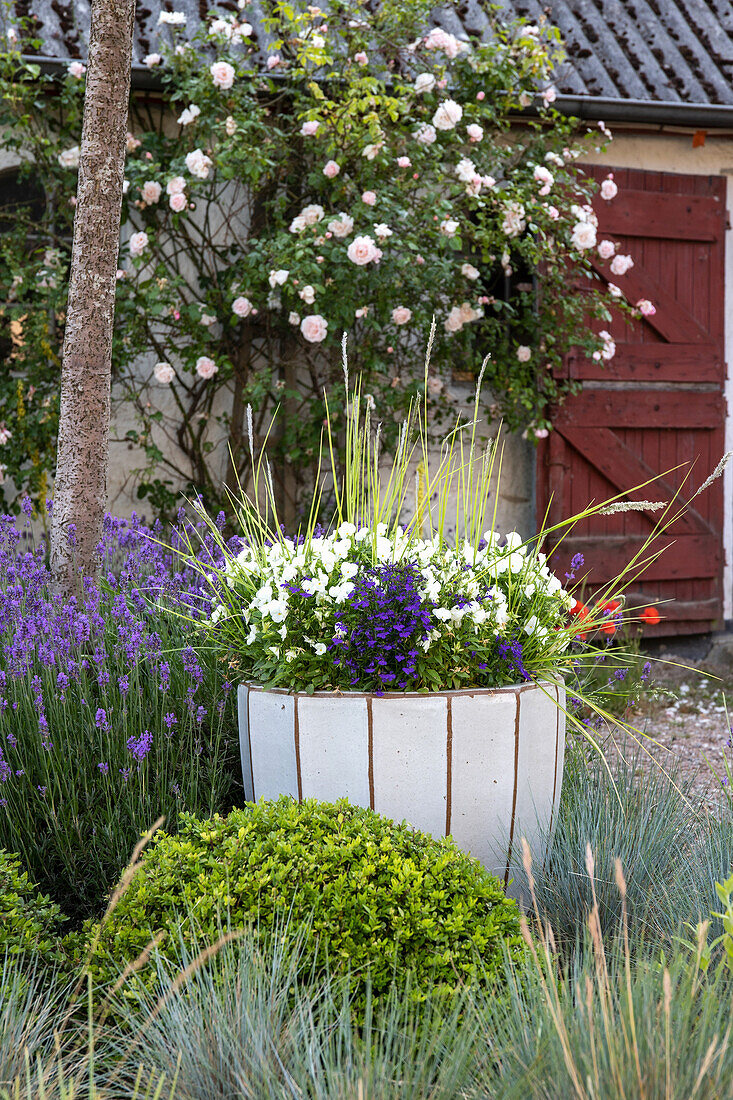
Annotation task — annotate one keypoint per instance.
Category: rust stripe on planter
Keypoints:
(514, 795)
(370, 726)
(449, 765)
(296, 734)
(557, 748)
(249, 739)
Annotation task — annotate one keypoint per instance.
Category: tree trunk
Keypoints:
(83, 445)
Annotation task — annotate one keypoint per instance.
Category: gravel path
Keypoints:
(686, 718)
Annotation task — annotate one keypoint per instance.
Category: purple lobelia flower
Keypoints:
(381, 626)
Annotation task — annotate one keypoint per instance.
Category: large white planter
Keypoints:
(484, 765)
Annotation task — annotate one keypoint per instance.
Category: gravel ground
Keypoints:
(685, 719)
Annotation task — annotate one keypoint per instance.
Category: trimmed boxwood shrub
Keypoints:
(383, 899)
(28, 919)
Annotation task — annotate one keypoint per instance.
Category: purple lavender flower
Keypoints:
(140, 746)
(103, 767)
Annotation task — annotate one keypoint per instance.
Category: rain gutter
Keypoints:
(660, 112)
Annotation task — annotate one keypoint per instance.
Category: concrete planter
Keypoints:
(484, 765)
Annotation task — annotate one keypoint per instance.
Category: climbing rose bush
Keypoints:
(359, 171)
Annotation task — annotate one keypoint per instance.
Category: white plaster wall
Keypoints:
(669, 149)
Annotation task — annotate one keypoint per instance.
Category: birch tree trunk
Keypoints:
(83, 444)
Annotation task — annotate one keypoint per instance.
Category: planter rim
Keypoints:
(456, 692)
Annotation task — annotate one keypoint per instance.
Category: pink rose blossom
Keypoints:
(151, 60)
(404, 162)
(331, 169)
(480, 96)
(524, 354)
(372, 150)
(176, 185)
(549, 96)
(363, 250)
(138, 243)
(544, 177)
(163, 373)
(541, 433)
(621, 264)
(553, 213)
(606, 249)
(178, 202)
(583, 236)
(609, 347)
(222, 74)
(308, 129)
(151, 192)
(425, 134)
(401, 315)
(369, 197)
(242, 307)
(646, 308)
(615, 291)
(76, 69)
(454, 321)
(314, 328)
(609, 189)
(475, 132)
(361, 58)
(424, 82)
(448, 115)
(341, 226)
(132, 143)
(198, 163)
(273, 61)
(206, 368)
(438, 39)
(419, 259)
(189, 115)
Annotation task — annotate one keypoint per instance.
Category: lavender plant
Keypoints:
(108, 718)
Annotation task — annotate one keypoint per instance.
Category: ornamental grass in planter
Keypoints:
(380, 660)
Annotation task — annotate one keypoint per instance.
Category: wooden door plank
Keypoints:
(654, 363)
(672, 320)
(694, 610)
(639, 213)
(603, 450)
(682, 556)
(638, 408)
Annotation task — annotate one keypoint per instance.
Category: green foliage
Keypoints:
(451, 242)
(382, 899)
(28, 919)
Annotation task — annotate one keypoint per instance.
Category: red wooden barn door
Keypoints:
(657, 404)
